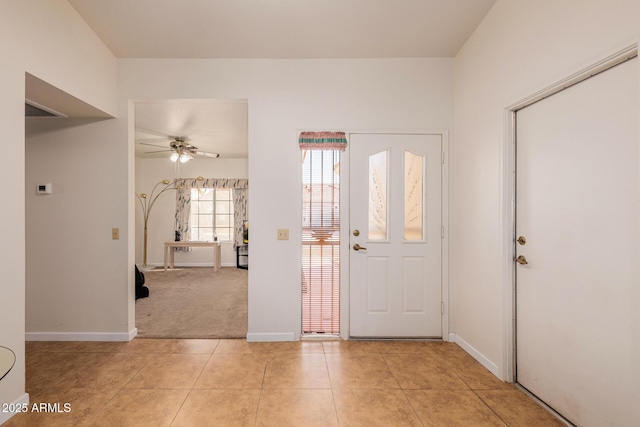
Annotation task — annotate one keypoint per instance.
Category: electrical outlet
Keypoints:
(115, 233)
(283, 234)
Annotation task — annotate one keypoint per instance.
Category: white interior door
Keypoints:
(578, 299)
(395, 217)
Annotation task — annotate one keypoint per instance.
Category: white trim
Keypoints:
(345, 331)
(484, 361)
(507, 210)
(444, 220)
(56, 114)
(270, 336)
(508, 191)
(619, 57)
(81, 336)
(22, 400)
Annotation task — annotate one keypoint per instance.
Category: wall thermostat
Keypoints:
(44, 188)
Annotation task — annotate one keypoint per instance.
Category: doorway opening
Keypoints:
(197, 149)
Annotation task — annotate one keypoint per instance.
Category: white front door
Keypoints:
(395, 218)
(577, 206)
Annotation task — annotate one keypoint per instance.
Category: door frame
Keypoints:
(508, 193)
(344, 229)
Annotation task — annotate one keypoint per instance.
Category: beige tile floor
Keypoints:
(149, 382)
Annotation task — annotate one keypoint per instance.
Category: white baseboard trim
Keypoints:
(270, 337)
(81, 336)
(484, 361)
(19, 402)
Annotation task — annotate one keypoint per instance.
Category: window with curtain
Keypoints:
(321, 231)
(211, 214)
(221, 210)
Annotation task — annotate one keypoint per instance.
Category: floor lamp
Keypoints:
(147, 202)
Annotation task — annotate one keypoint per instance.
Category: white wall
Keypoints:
(285, 96)
(76, 279)
(520, 48)
(47, 39)
(161, 224)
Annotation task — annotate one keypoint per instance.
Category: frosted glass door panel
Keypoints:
(378, 210)
(413, 196)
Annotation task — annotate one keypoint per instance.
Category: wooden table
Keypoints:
(168, 251)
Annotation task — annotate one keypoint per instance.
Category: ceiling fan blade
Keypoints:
(158, 151)
(207, 154)
(152, 142)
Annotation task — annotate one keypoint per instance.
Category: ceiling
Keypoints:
(283, 28)
(265, 29)
(215, 126)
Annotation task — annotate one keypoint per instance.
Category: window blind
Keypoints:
(320, 242)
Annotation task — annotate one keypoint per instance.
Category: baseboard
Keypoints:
(133, 333)
(20, 402)
(81, 336)
(270, 337)
(484, 361)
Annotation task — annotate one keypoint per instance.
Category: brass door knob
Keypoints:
(522, 260)
(357, 247)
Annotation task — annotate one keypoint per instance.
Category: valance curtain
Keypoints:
(323, 140)
(183, 203)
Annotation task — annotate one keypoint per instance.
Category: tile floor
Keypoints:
(149, 382)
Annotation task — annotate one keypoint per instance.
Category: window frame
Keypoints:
(194, 218)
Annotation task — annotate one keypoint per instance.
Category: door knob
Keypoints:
(522, 240)
(357, 247)
(522, 260)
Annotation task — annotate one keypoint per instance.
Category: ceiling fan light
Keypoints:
(185, 157)
(174, 157)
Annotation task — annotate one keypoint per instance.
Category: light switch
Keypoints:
(44, 188)
(115, 233)
(283, 234)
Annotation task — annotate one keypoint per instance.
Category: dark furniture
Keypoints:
(242, 257)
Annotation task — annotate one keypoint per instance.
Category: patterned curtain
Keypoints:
(239, 214)
(323, 141)
(183, 203)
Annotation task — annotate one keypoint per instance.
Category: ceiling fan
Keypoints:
(181, 150)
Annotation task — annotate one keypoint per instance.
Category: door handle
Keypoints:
(522, 260)
(357, 247)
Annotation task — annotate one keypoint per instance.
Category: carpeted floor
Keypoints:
(194, 303)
